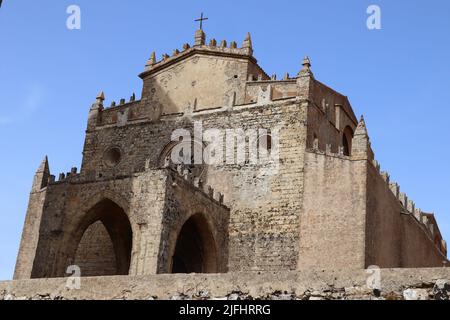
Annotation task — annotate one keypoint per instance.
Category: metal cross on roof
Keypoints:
(201, 19)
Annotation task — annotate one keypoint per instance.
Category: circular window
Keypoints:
(112, 156)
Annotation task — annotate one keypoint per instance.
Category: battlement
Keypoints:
(427, 220)
(328, 151)
(183, 173)
(135, 111)
(118, 114)
(123, 102)
(200, 47)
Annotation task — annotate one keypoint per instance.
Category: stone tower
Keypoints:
(218, 168)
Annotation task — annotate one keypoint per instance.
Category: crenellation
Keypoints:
(151, 61)
(377, 166)
(417, 214)
(197, 182)
(329, 154)
(403, 200)
(424, 219)
(410, 206)
(395, 188)
(386, 177)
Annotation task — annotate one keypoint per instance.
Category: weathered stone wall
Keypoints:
(396, 284)
(332, 223)
(394, 236)
(418, 248)
(265, 198)
(187, 84)
(384, 223)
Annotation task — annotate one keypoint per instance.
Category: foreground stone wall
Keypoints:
(396, 284)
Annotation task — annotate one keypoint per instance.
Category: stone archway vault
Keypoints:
(195, 250)
(102, 243)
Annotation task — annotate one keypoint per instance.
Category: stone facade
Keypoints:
(132, 210)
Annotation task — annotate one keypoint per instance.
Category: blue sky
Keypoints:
(398, 77)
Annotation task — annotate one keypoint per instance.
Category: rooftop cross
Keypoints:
(201, 19)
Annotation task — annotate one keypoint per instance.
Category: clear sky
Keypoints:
(398, 77)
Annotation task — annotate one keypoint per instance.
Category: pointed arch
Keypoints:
(101, 243)
(347, 137)
(195, 248)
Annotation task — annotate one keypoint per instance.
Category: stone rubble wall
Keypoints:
(396, 284)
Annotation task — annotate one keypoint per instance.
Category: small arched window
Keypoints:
(347, 137)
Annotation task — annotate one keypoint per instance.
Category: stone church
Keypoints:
(133, 210)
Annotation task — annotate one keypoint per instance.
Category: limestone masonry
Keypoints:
(322, 202)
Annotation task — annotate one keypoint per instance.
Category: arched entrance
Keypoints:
(105, 241)
(195, 250)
